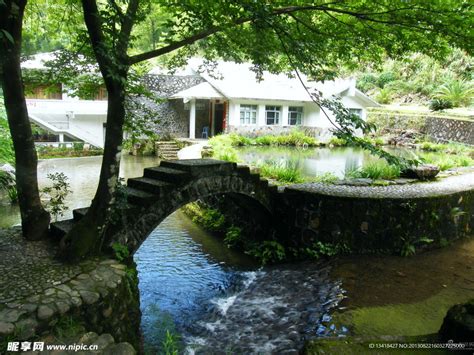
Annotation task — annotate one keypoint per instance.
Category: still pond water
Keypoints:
(219, 300)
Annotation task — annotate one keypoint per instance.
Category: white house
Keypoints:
(198, 104)
(240, 103)
(68, 118)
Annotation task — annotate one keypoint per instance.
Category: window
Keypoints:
(272, 114)
(356, 111)
(295, 115)
(44, 92)
(248, 114)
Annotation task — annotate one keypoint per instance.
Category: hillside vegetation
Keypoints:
(419, 79)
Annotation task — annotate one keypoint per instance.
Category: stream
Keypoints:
(214, 300)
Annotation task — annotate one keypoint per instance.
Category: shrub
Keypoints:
(440, 104)
(268, 251)
(384, 96)
(458, 92)
(6, 145)
(7, 183)
(57, 194)
(337, 142)
(233, 236)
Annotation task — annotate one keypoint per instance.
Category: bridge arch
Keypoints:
(164, 189)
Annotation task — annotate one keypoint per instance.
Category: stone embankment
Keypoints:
(40, 296)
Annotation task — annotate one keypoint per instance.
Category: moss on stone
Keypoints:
(413, 319)
(351, 345)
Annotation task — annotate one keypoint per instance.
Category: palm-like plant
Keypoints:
(458, 92)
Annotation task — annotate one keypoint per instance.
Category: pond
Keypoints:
(310, 161)
(219, 300)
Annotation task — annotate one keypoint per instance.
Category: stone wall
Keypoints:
(439, 128)
(374, 224)
(442, 129)
(254, 131)
(169, 116)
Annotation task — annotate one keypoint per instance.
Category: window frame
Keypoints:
(248, 109)
(357, 111)
(276, 110)
(295, 110)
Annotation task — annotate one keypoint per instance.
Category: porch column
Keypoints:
(192, 119)
(61, 137)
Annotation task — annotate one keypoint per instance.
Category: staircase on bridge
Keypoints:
(169, 176)
(167, 150)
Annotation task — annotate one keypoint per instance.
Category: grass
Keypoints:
(447, 161)
(281, 173)
(376, 170)
(326, 178)
(295, 138)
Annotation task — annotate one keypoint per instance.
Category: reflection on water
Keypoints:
(309, 161)
(83, 174)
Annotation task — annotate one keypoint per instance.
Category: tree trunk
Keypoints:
(86, 236)
(34, 219)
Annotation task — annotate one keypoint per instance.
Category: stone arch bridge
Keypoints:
(175, 183)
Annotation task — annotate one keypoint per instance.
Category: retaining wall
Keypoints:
(387, 219)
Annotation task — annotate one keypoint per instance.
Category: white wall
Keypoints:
(310, 112)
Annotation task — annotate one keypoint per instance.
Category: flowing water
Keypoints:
(221, 301)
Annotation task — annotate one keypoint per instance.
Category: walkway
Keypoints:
(442, 187)
(36, 290)
(193, 151)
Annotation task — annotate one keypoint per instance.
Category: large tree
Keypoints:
(35, 220)
(313, 37)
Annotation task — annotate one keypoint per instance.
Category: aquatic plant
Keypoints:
(268, 251)
(378, 169)
(281, 173)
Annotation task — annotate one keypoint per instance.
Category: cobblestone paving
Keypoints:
(36, 289)
(30, 267)
(445, 186)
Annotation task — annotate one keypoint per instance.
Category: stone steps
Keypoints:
(167, 150)
(166, 174)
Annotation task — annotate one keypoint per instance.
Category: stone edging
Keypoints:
(446, 186)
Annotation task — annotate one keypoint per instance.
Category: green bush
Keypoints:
(440, 104)
(7, 154)
(384, 96)
(337, 142)
(233, 236)
(459, 92)
(268, 251)
(7, 184)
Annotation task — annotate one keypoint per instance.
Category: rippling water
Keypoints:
(219, 301)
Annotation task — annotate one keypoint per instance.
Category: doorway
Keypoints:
(218, 126)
